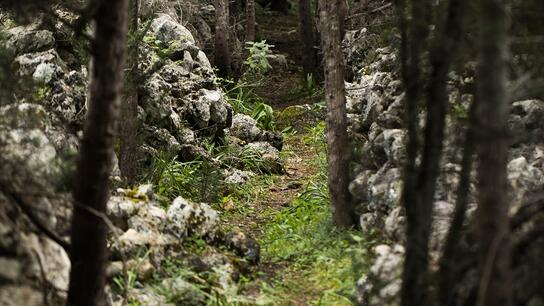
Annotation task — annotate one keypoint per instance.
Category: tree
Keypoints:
(308, 37)
(129, 148)
(492, 150)
(280, 6)
(222, 52)
(337, 138)
(420, 182)
(88, 232)
(413, 36)
(250, 20)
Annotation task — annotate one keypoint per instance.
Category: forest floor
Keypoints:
(304, 259)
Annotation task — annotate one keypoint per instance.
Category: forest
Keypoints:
(271, 152)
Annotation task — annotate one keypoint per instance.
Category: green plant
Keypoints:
(197, 180)
(257, 62)
(264, 114)
(309, 86)
(244, 101)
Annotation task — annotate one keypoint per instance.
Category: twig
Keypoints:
(19, 202)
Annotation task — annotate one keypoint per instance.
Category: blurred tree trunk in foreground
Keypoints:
(495, 288)
(89, 251)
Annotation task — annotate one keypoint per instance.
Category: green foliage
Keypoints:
(322, 259)
(257, 62)
(264, 114)
(196, 180)
(244, 101)
(308, 87)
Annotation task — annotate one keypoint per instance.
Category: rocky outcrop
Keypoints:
(375, 108)
(143, 226)
(181, 108)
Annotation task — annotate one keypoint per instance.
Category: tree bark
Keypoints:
(129, 148)
(492, 114)
(280, 6)
(222, 52)
(413, 35)
(337, 139)
(89, 251)
(250, 20)
(308, 37)
(446, 281)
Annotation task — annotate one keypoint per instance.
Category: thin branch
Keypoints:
(25, 208)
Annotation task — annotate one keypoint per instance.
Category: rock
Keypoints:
(144, 269)
(203, 60)
(245, 128)
(131, 243)
(148, 297)
(28, 39)
(172, 73)
(29, 151)
(270, 156)
(382, 284)
(17, 295)
(120, 209)
(187, 218)
(167, 30)
(49, 64)
(524, 178)
(244, 245)
(183, 292)
(237, 177)
(156, 102)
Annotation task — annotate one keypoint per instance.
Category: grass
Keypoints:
(316, 264)
(323, 263)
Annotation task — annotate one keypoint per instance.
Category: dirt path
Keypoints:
(277, 193)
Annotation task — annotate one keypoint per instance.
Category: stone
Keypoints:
(237, 177)
(203, 60)
(28, 39)
(49, 62)
(245, 128)
(184, 292)
(186, 218)
(382, 284)
(167, 30)
(17, 295)
(269, 155)
(244, 245)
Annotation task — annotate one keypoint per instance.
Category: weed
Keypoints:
(244, 101)
(257, 63)
(197, 180)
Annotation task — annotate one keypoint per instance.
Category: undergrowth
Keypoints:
(324, 263)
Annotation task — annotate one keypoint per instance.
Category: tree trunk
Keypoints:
(307, 36)
(492, 114)
(446, 281)
(89, 251)
(413, 36)
(129, 148)
(250, 20)
(222, 52)
(337, 139)
(280, 6)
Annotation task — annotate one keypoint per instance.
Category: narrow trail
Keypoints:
(278, 193)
